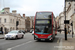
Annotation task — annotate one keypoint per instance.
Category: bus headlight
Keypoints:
(36, 36)
(49, 36)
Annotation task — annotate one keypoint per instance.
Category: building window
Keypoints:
(74, 10)
(4, 20)
(10, 28)
(13, 28)
(74, 4)
(11, 20)
(0, 20)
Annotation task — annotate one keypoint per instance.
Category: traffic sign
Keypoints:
(66, 21)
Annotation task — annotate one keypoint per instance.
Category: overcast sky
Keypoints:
(29, 7)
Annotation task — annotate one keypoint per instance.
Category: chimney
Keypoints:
(24, 15)
(7, 9)
(14, 11)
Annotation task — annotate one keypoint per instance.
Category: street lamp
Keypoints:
(72, 29)
(65, 23)
(25, 25)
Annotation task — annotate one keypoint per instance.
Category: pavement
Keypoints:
(68, 44)
(1, 36)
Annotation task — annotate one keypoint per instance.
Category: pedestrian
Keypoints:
(69, 31)
(2, 31)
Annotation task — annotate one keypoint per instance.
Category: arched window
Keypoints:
(13, 28)
(0, 20)
(11, 20)
(10, 28)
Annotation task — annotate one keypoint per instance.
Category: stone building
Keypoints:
(70, 14)
(61, 21)
(32, 22)
(57, 21)
(29, 22)
(11, 21)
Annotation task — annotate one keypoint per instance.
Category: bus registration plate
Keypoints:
(42, 39)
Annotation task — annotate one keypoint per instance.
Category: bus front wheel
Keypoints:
(51, 40)
(38, 40)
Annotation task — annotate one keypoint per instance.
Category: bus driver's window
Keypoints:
(46, 29)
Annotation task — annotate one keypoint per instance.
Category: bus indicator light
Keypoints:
(41, 35)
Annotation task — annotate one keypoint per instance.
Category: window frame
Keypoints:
(5, 20)
(0, 20)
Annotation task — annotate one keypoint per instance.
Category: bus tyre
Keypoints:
(38, 40)
(22, 36)
(55, 34)
(34, 37)
(16, 37)
(6, 38)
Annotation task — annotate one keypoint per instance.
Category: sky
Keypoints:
(30, 7)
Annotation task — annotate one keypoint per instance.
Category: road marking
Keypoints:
(19, 45)
(58, 40)
(60, 44)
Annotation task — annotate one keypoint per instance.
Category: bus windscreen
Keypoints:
(43, 23)
(42, 29)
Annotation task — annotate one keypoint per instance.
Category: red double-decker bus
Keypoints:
(44, 26)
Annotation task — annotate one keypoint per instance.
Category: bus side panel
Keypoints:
(34, 22)
(34, 26)
(52, 23)
(53, 26)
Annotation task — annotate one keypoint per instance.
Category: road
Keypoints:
(28, 43)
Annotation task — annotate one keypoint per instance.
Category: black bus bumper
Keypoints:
(44, 39)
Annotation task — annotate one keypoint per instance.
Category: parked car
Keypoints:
(14, 34)
(23, 31)
(1, 32)
(31, 31)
